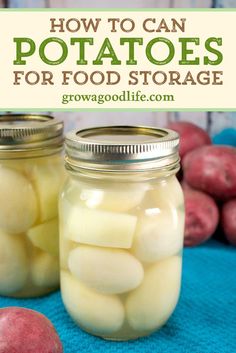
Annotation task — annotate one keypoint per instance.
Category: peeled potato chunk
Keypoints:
(46, 236)
(66, 245)
(114, 199)
(45, 270)
(18, 165)
(18, 203)
(98, 313)
(13, 264)
(169, 191)
(159, 235)
(47, 181)
(109, 271)
(150, 305)
(100, 228)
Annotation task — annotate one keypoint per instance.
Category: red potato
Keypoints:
(228, 220)
(27, 331)
(185, 185)
(201, 217)
(212, 169)
(191, 136)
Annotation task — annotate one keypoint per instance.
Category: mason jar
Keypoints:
(31, 174)
(121, 230)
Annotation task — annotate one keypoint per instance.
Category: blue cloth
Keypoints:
(225, 137)
(204, 320)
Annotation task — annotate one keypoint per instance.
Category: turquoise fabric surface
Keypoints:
(203, 322)
(225, 137)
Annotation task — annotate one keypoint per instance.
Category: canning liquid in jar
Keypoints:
(121, 230)
(31, 174)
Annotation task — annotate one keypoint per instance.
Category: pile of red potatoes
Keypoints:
(208, 178)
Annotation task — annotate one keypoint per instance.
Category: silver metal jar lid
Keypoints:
(20, 132)
(115, 148)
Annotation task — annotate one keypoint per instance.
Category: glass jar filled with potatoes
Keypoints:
(31, 175)
(121, 230)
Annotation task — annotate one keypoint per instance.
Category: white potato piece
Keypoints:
(159, 235)
(167, 193)
(66, 246)
(101, 228)
(13, 264)
(47, 180)
(98, 313)
(45, 236)
(114, 199)
(110, 271)
(45, 270)
(18, 165)
(18, 202)
(150, 305)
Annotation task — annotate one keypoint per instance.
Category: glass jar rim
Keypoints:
(29, 132)
(118, 147)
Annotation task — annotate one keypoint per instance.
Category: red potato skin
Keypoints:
(212, 169)
(228, 220)
(191, 136)
(27, 331)
(201, 217)
(185, 185)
